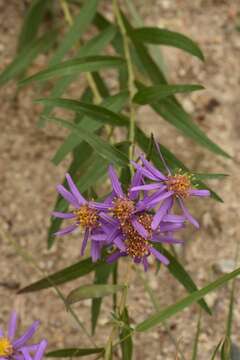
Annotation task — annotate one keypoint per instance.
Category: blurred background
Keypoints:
(28, 180)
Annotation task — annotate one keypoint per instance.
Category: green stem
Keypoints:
(131, 78)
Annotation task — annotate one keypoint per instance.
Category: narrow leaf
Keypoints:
(31, 22)
(26, 56)
(75, 66)
(103, 148)
(80, 25)
(153, 35)
(149, 95)
(79, 269)
(92, 291)
(73, 352)
(125, 337)
(160, 316)
(196, 340)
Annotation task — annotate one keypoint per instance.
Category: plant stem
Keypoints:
(131, 78)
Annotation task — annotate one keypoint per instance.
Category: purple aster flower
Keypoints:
(84, 215)
(128, 242)
(167, 188)
(20, 349)
(125, 207)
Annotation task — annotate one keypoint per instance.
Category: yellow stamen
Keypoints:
(6, 348)
(123, 209)
(180, 184)
(86, 216)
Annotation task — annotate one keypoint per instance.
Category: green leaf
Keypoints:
(173, 162)
(92, 47)
(151, 94)
(79, 269)
(101, 277)
(92, 291)
(160, 316)
(114, 103)
(99, 113)
(153, 35)
(209, 176)
(103, 148)
(178, 271)
(26, 56)
(80, 25)
(32, 21)
(73, 352)
(176, 115)
(226, 349)
(196, 340)
(95, 171)
(125, 337)
(75, 66)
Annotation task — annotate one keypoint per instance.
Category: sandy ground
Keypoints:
(28, 181)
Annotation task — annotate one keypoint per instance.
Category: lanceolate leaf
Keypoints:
(114, 103)
(92, 291)
(73, 352)
(103, 148)
(97, 112)
(26, 56)
(153, 35)
(32, 21)
(75, 66)
(125, 337)
(81, 268)
(178, 271)
(80, 24)
(149, 95)
(93, 47)
(160, 316)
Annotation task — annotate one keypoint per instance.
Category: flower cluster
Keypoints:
(131, 223)
(20, 349)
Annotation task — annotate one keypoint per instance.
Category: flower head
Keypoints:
(85, 215)
(15, 349)
(167, 189)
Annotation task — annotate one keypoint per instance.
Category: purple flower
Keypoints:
(20, 349)
(84, 215)
(167, 188)
(125, 207)
(128, 242)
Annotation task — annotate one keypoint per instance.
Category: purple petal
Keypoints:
(137, 180)
(114, 233)
(146, 202)
(12, 326)
(99, 237)
(84, 243)
(174, 218)
(162, 211)
(114, 256)
(80, 199)
(25, 353)
(26, 336)
(188, 215)
(41, 349)
(162, 196)
(166, 240)
(144, 171)
(203, 193)
(152, 169)
(147, 187)
(99, 206)
(115, 182)
(95, 251)
(108, 219)
(66, 230)
(62, 215)
(159, 256)
(165, 227)
(119, 243)
(139, 228)
(145, 263)
(67, 196)
(1, 333)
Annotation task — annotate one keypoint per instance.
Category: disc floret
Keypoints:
(6, 348)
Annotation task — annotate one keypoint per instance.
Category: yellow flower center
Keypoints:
(123, 209)
(86, 216)
(136, 245)
(6, 348)
(180, 184)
